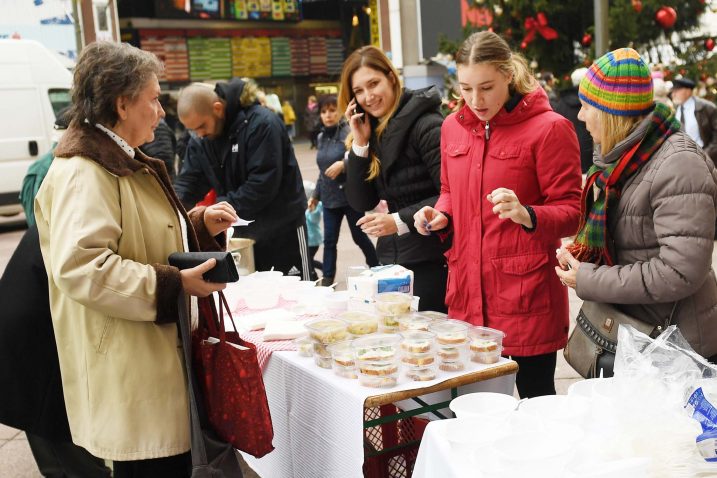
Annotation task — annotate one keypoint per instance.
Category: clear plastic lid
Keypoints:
(327, 331)
(394, 303)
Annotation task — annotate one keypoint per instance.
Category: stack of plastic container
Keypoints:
(343, 359)
(486, 344)
(418, 355)
(377, 359)
(325, 332)
(390, 306)
(452, 343)
(360, 323)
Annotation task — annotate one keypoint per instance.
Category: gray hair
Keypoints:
(106, 71)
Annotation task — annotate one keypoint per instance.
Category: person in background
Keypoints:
(645, 242)
(163, 147)
(697, 116)
(313, 225)
(395, 155)
(289, 119)
(510, 190)
(243, 152)
(311, 119)
(661, 89)
(38, 170)
(568, 106)
(108, 219)
(331, 150)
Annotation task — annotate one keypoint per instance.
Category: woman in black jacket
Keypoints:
(395, 155)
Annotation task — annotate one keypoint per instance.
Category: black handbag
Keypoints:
(224, 271)
(592, 344)
(211, 456)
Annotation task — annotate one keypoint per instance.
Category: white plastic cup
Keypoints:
(481, 404)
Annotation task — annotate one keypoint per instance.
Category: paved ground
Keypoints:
(15, 458)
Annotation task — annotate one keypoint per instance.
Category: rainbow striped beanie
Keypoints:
(618, 83)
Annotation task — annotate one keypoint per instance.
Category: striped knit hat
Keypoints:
(618, 83)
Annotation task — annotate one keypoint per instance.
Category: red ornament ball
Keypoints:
(587, 40)
(637, 5)
(523, 45)
(709, 44)
(666, 17)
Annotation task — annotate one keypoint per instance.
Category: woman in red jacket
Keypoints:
(510, 189)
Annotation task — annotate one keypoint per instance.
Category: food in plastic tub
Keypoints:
(456, 366)
(378, 374)
(322, 356)
(486, 344)
(479, 404)
(382, 347)
(343, 359)
(327, 331)
(451, 353)
(414, 321)
(449, 331)
(393, 303)
(419, 359)
(417, 341)
(433, 315)
(377, 381)
(421, 374)
(305, 346)
(360, 323)
(262, 298)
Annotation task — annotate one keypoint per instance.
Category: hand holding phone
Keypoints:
(359, 110)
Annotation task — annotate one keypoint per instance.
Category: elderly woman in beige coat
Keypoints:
(108, 219)
(645, 244)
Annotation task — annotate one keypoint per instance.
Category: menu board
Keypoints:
(209, 58)
(317, 56)
(334, 56)
(251, 56)
(280, 57)
(172, 51)
(300, 65)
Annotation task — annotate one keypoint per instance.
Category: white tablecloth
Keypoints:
(436, 457)
(318, 416)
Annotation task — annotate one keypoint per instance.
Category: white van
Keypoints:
(34, 86)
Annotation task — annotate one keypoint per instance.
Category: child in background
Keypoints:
(313, 224)
(329, 189)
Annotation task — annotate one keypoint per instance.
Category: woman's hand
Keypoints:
(507, 206)
(359, 123)
(568, 270)
(313, 202)
(219, 217)
(194, 284)
(333, 171)
(428, 219)
(378, 224)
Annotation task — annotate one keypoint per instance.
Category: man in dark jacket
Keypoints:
(31, 398)
(568, 105)
(698, 116)
(243, 152)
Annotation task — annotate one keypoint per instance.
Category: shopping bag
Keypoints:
(231, 382)
(211, 457)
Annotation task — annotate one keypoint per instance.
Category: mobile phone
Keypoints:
(358, 110)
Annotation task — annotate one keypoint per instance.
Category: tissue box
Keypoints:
(391, 278)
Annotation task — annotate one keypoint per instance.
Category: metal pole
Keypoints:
(602, 28)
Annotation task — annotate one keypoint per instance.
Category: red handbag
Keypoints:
(230, 378)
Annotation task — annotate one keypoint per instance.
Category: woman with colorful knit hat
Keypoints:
(510, 189)
(646, 237)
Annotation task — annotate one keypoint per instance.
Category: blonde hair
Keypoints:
(370, 57)
(487, 47)
(614, 128)
(250, 93)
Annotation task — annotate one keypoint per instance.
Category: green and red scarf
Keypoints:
(592, 238)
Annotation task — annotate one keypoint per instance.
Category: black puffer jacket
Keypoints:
(568, 106)
(330, 149)
(409, 178)
(251, 165)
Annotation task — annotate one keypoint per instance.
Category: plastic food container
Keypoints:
(450, 332)
(393, 303)
(414, 321)
(433, 315)
(322, 356)
(327, 331)
(377, 348)
(421, 374)
(304, 346)
(360, 323)
(486, 344)
(378, 374)
(417, 342)
(343, 359)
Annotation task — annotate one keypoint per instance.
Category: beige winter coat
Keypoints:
(663, 231)
(107, 224)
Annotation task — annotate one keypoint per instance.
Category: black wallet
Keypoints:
(224, 271)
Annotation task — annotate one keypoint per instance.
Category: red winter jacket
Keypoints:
(500, 275)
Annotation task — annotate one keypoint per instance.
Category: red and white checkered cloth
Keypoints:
(265, 349)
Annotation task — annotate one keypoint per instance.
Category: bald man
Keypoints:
(243, 152)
